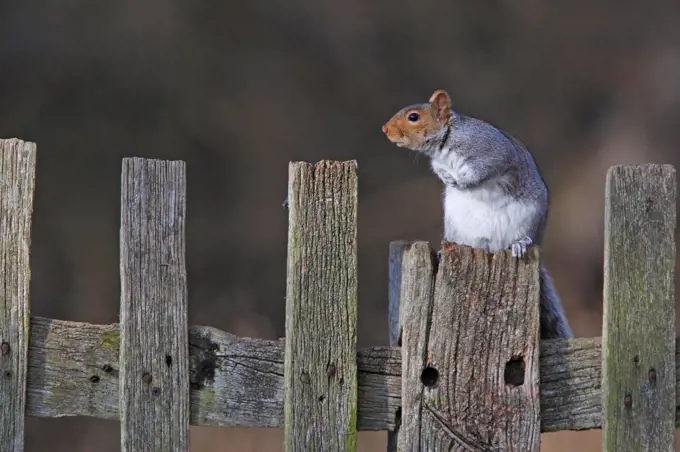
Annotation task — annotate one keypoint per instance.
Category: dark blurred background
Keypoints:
(239, 89)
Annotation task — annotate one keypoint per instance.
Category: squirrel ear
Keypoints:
(441, 105)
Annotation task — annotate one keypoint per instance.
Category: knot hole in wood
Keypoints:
(429, 376)
(514, 371)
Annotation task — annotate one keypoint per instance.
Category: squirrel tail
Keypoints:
(554, 323)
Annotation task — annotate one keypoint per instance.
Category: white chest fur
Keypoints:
(486, 217)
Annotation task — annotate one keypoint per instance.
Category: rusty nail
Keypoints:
(94, 378)
(652, 374)
(146, 378)
(5, 348)
(628, 400)
(331, 370)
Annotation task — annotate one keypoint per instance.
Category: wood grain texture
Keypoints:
(483, 318)
(638, 373)
(154, 345)
(397, 251)
(418, 269)
(238, 382)
(17, 184)
(320, 390)
(394, 289)
(570, 380)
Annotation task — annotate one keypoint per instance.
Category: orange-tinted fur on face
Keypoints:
(433, 117)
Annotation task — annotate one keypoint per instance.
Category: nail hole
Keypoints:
(94, 378)
(628, 400)
(636, 360)
(8, 373)
(107, 368)
(514, 371)
(155, 390)
(429, 376)
(321, 398)
(5, 348)
(649, 204)
(208, 368)
(168, 360)
(652, 374)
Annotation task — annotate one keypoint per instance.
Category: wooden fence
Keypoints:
(465, 370)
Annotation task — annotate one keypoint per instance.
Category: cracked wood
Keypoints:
(470, 350)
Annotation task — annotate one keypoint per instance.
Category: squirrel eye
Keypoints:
(413, 117)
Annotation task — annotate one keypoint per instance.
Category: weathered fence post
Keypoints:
(411, 287)
(320, 369)
(154, 345)
(469, 350)
(17, 183)
(396, 290)
(638, 339)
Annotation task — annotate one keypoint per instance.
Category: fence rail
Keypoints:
(238, 382)
(465, 367)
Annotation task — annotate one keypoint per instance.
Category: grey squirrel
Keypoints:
(495, 198)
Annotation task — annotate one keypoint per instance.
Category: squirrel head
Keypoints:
(421, 127)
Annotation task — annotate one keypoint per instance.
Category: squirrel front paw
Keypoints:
(445, 176)
(519, 248)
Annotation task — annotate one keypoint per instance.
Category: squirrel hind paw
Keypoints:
(519, 248)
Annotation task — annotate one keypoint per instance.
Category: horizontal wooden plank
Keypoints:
(73, 371)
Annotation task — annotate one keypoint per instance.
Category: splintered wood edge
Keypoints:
(471, 284)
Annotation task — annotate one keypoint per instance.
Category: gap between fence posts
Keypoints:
(17, 185)
(154, 339)
(320, 376)
(638, 338)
